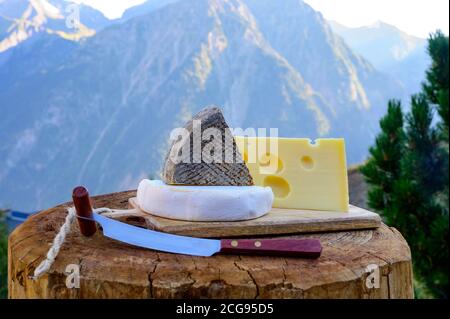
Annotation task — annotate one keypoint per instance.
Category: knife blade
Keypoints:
(156, 240)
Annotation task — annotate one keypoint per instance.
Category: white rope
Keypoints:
(45, 265)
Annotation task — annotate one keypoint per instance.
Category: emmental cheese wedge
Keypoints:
(203, 203)
(302, 175)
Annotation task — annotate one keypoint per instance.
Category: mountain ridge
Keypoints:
(100, 114)
(390, 50)
(21, 20)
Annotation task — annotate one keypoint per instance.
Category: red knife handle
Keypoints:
(306, 248)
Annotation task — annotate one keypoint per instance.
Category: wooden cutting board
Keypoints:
(278, 221)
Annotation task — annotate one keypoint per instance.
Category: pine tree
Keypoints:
(420, 217)
(408, 173)
(436, 84)
(436, 89)
(383, 167)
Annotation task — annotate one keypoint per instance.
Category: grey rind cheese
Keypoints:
(185, 164)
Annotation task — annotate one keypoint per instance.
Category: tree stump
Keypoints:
(355, 264)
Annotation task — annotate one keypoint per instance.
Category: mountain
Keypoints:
(100, 111)
(22, 20)
(390, 50)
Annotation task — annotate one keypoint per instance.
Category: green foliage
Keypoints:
(421, 291)
(383, 167)
(436, 84)
(408, 173)
(3, 258)
(422, 218)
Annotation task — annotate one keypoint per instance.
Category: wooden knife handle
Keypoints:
(306, 248)
(82, 203)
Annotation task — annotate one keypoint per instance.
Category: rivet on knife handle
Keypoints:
(306, 248)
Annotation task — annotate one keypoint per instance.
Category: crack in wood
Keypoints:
(250, 275)
(150, 274)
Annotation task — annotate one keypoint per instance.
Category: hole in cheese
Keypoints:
(280, 187)
(270, 164)
(307, 162)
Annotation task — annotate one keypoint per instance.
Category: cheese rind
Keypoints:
(302, 175)
(192, 168)
(204, 203)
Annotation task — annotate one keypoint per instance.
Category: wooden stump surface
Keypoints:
(110, 269)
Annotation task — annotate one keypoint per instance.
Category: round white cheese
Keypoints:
(203, 203)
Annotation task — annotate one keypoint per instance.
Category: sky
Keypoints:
(111, 8)
(416, 17)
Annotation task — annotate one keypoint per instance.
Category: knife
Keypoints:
(87, 219)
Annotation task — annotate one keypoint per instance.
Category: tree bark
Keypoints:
(110, 269)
